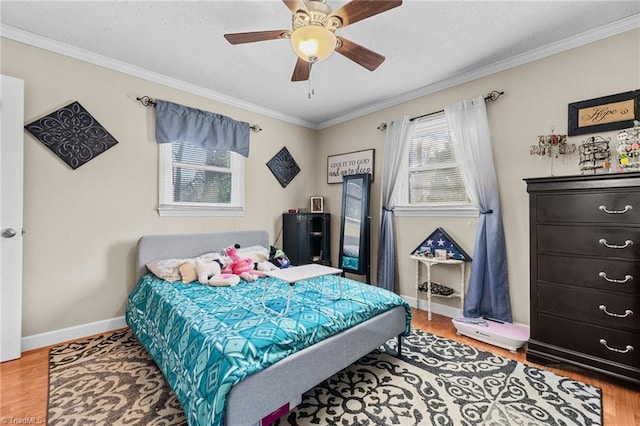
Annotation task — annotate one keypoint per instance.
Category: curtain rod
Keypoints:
(148, 102)
(492, 96)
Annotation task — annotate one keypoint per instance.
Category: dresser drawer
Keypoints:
(604, 274)
(615, 310)
(601, 342)
(606, 241)
(600, 207)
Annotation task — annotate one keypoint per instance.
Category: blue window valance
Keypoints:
(206, 130)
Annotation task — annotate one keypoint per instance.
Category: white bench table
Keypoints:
(294, 274)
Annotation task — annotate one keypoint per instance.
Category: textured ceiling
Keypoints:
(426, 44)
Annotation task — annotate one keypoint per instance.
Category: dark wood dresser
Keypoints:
(585, 272)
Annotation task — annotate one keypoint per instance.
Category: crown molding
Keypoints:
(65, 49)
(590, 36)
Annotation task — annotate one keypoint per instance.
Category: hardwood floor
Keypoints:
(620, 400)
(24, 382)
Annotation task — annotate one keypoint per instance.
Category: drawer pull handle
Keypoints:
(627, 313)
(629, 348)
(626, 209)
(614, 246)
(611, 280)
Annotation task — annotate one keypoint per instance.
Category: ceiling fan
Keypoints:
(313, 37)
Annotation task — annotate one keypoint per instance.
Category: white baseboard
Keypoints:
(436, 308)
(444, 310)
(71, 333)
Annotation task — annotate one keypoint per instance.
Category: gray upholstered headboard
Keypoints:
(180, 246)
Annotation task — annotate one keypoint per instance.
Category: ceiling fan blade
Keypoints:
(359, 54)
(295, 5)
(240, 38)
(301, 71)
(357, 10)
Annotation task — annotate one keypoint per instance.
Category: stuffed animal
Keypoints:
(265, 266)
(278, 258)
(260, 260)
(209, 272)
(241, 266)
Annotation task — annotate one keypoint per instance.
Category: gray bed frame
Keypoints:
(260, 394)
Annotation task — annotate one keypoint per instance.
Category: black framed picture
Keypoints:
(604, 114)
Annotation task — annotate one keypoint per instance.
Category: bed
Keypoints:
(262, 392)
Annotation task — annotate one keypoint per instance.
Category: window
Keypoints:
(197, 182)
(435, 182)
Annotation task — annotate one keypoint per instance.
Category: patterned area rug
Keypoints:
(110, 379)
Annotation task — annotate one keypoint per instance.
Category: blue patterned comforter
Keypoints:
(206, 339)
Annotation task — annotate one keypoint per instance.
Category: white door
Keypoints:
(11, 153)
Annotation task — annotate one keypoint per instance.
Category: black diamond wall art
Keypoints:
(283, 167)
(72, 134)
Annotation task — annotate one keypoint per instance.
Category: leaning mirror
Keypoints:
(353, 256)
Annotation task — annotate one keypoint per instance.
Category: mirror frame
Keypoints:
(364, 264)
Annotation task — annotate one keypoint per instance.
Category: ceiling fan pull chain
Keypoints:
(311, 91)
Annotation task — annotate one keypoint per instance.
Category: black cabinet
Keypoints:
(305, 238)
(585, 272)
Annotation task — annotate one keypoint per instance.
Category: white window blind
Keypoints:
(198, 182)
(435, 180)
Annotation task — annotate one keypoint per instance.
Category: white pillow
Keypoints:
(167, 269)
(255, 251)
(253, 248)
(207, 257)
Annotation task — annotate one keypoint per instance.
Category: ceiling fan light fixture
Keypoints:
(313, 43)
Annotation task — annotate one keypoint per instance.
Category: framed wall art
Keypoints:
(351, 163)
(317, 205)
(604, 114)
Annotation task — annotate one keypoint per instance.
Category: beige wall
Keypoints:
(82, 226)
(536, 98)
